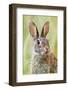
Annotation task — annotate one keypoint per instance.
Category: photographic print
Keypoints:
(37, 44)
(40, 44)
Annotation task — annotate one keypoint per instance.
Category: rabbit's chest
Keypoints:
(40, 60)
(39, 65)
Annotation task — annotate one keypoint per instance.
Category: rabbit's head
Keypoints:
(41, 44)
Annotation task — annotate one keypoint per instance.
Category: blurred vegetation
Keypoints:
(52, 36)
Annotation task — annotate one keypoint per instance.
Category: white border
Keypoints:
(41, 77)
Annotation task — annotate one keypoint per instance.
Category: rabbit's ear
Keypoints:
(45, 29)
(33, 30)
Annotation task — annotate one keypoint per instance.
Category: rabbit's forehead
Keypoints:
(42, 39)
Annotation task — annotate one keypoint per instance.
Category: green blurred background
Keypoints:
(52, 36)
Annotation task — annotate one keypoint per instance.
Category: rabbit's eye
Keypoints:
(38, 42)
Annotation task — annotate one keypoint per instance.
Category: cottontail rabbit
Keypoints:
(43, 60)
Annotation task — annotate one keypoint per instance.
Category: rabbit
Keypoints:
(43, 60)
